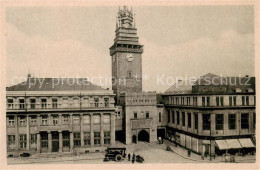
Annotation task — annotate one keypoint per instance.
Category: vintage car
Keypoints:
(115, 153)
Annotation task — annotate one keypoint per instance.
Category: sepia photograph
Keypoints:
(129, 84)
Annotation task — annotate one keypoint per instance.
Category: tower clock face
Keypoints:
(129, 57)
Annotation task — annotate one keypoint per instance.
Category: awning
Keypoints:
(222, 144)
(233, 143)
(246, 143)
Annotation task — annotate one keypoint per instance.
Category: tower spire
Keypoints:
(134, 20)
(116, 22)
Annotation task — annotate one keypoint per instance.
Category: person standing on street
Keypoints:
(129, 157)
(133, 158)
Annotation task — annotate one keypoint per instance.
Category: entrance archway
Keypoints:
(143, 135)
(134, 139)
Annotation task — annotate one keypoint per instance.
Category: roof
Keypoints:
(211, 79)
(54, 84)
(182, 87)
(213, 84)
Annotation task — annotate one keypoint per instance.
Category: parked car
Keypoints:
(25, 155)
(139, 159)
(115, 153)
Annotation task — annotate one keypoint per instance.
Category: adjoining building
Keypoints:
(47, 115)
(214, 115)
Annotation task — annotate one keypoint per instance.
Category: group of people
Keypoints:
(133, 157)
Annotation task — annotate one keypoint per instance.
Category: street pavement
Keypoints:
(151, 152)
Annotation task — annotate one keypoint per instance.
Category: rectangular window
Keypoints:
(44, 120)
(230, 100)
(96, 138)
(11, 142)
(96, 100)
(85, 102)
(11, 121)
(86, 119)
(222, 101)
(22, 121)
(106, 118)
(244, 121)
(21, 104)
(33, 121)
(32, 103)
(217, 101)
(135, 115)
(106, 137)
(247, 100)
(76, 139)
(219, 121)
(76, 119)
(96, 119)
(147, 114)
(54, 103)
(44, 103)
(235, 100)
(189, 120)
(183, 118)
(232, 121)
(194, 101)
(160, 117)
(75, 102)
(106, 102)
(203, 101)
(173, 117)
(65, 119)
(87, 138)
(23, 141)
(10, 103)
(178, 118)
(206, 121)
(33, 140)
(65, 102)
(188, 101)
(66, 140)
(243, 100)
(169, 112)
(55, 120)
(196, 120)
(208, 101)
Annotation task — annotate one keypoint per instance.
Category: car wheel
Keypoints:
(118, 158)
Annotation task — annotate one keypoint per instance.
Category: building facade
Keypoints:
(141, 116)
(65, 117)
(212, 118)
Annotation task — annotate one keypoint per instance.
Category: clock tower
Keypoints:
(126, 53)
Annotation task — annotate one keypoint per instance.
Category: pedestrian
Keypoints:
(133, 158)
(129, 157)
(162, 140)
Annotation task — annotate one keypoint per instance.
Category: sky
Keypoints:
(179, 41)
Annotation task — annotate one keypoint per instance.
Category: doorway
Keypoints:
(143, 135)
